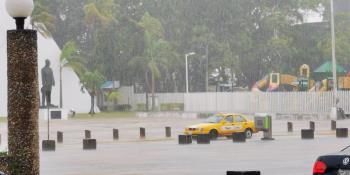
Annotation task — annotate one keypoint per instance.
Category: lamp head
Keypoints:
(191, 53)
(19, 10)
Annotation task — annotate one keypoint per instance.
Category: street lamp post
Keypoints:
(23, 94)
(186, 59)
(334, 62)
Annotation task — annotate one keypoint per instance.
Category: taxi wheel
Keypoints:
(213, 134)
(248, 133)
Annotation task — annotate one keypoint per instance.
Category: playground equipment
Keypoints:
(327, 84)
(322, 86)
(304, 81)
(344, 83)
(275, 82)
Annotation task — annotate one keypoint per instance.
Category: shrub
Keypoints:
(172, 107)
(124, 107)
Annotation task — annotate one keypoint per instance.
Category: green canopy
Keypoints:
(326, 71)
(327, 67)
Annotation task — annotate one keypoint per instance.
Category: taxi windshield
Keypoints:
(214, 119)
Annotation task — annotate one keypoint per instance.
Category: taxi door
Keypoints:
(228, 125)
(240, 123)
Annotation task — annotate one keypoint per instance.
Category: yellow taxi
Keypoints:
(223, 125)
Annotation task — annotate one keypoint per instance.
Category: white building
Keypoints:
(73, 98)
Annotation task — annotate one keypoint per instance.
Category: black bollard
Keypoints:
(312, 125)
(87, 134)
(167, 131)
(342, 132)
(239, 137)
(59, 137)
(203, 139)
(49, 145)
(333, 125)
(243, 172)
(89, 144)
(142, 133)
(185, 139)
(307, 134)
(115, 134)
(290, 126)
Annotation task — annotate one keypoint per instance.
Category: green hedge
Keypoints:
(172, 107)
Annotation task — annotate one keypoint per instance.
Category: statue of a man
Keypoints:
(48, 81)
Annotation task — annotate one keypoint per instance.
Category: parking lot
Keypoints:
(155, 155)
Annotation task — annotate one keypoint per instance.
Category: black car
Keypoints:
(333, 164)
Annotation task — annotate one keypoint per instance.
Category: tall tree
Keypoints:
(92, 81)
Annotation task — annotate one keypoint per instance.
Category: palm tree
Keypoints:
(92, 81)
(42, 20)
(70, 58)
(155, 51)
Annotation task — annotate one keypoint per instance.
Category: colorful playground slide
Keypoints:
(320, 86)
(273, 82)
(261, 85)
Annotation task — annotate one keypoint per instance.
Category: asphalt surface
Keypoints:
(156, 155)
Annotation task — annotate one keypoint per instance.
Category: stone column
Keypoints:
(23, 102)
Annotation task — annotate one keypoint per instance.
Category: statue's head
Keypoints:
(47, 63)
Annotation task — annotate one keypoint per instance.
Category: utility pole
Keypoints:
(207, 69)
(334, 62)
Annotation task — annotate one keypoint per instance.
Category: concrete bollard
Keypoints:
(87, 134)
(203, 139)
(59, 137)
(312, 125)
(48, 145)
(307, 134)
(89, 144)
(342, 132)
(167, 131)
(142, 133)
(239, 137)
(243, 173)
(115, 134)
(290, 126)
(185, 139)
(333, 125)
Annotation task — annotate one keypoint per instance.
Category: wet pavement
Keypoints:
(156, 155)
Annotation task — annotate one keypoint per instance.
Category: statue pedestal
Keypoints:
(55, 114)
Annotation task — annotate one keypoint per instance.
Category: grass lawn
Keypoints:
(3, 119)
(104, 115)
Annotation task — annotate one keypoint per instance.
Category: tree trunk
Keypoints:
(147, 90)
(153, 94)
(92, 111)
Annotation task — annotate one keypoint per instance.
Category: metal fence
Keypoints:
(162, 98)
(252, 102)
(276, 102)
